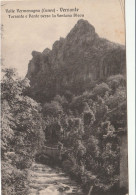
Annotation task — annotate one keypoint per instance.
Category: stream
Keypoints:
(44, 180)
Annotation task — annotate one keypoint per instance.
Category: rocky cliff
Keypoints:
(74, 63)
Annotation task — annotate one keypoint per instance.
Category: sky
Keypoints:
(21, 36)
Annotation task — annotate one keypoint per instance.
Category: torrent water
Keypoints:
(44, 180)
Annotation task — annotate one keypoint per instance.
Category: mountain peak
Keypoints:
(84, 23)
(46, 51)
(82, 29)
(74, 62)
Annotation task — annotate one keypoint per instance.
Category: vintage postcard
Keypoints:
(64, 98)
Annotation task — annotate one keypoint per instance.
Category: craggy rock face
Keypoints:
(80, 58)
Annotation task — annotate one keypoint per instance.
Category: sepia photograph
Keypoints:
(64, 98)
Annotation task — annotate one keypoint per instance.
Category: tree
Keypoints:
(22, 130)
(7, 124)
(52, 109)
(53, 130)
(115, 81)
(101, 89)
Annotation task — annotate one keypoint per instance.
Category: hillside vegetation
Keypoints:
(22, 133)
(87, 125)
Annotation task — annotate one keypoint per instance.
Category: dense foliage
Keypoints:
(87, 125)
(22, 132)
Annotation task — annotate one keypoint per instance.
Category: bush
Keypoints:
(52, 109)
(101, 89)
(115, 81)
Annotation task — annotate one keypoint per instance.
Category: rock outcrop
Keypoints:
(74, 63)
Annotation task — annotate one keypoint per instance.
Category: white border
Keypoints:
(130, 43)
(130, 48)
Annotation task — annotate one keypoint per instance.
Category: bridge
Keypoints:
(52, 152)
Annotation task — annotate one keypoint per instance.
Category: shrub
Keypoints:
(52, 109)
(115, 81)
(101, 89)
